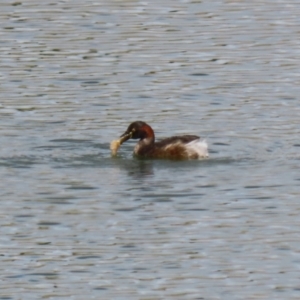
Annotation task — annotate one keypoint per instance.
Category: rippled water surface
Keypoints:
(78, 224)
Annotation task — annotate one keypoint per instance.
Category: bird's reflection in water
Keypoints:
(136, 168)
(141, 168)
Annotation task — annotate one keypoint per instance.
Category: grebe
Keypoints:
(175, 147)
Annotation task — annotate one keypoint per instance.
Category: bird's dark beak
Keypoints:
(125, 136)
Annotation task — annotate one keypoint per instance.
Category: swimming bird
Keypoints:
(175, 147)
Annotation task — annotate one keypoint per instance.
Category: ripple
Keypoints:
(75, 75)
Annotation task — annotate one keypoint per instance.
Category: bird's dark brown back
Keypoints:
(184, 139)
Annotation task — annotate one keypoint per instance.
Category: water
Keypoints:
(78, 224)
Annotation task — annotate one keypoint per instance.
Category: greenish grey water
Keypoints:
(78, 224)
